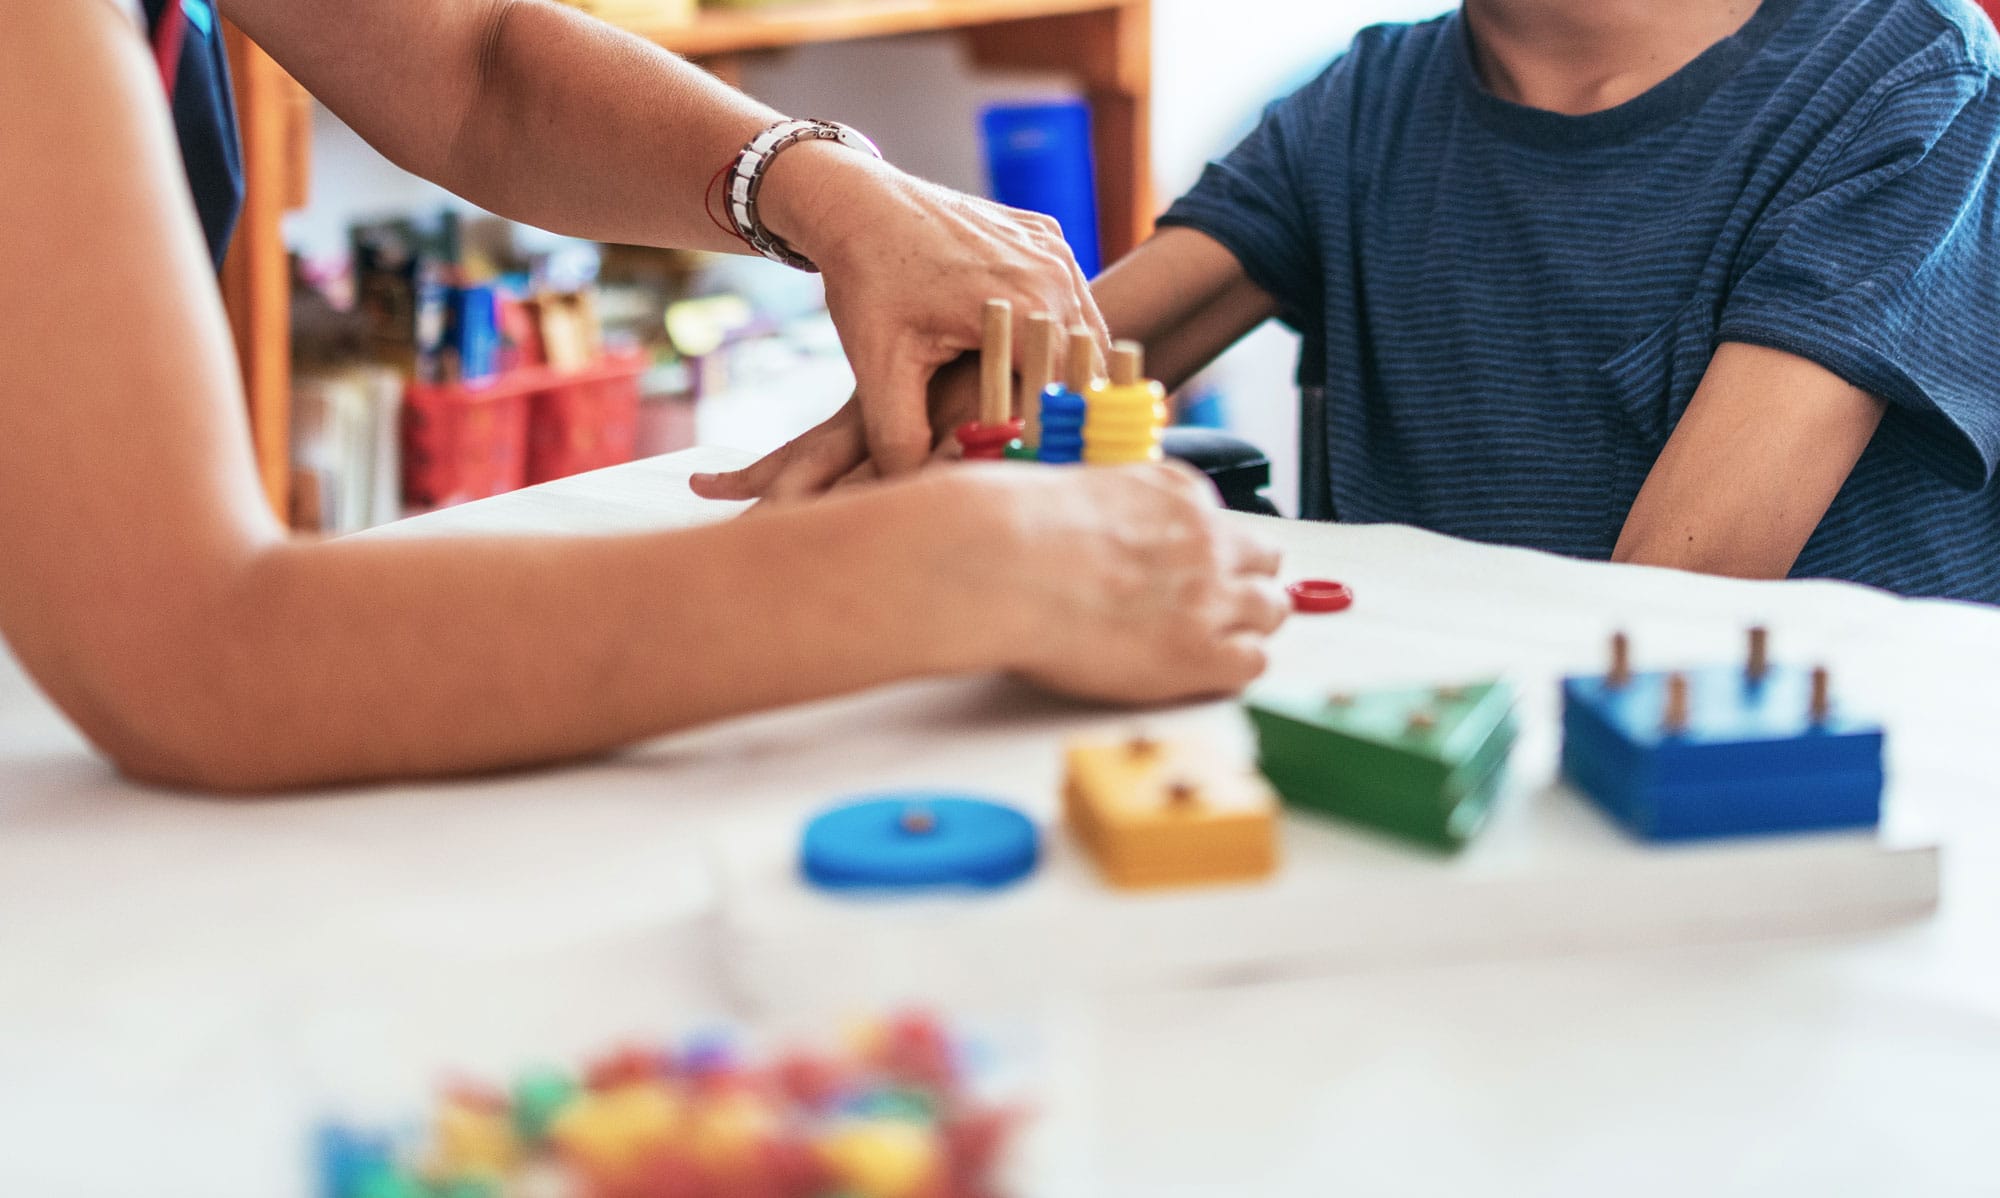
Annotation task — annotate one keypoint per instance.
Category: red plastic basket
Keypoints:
(585, 420)
(465, 441)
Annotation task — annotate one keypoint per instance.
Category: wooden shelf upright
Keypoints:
(1105, 45)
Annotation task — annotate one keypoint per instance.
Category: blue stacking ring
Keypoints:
(918, 840)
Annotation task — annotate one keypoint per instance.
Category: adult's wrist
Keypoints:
(816, 196)
(967, 566)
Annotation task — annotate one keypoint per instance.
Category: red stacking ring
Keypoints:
(988, 442)
(1319, 594)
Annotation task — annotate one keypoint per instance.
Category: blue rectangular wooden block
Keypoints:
(1749, 760)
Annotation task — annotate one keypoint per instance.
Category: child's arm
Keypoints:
(1181, 294)
(1185, 298)
(1762, 449)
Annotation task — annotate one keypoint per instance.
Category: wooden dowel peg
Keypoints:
(1760, 656)
(1822, 696)
(1038, 368)
(1128, 363)
(1620, 673)
(1082, 364)
(1674, 720)
(996, 364)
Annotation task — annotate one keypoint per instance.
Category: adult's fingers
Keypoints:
(896, 418)
(1087, 313)
(1236, 661)
(806, 465)
(1257, 556)
(818, 469)
(864, 473)
(1261, 606)
(1179, 475)
(747, 483)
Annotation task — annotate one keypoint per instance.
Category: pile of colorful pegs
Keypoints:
(892, 1117)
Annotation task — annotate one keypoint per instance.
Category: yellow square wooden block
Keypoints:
(1168, 813)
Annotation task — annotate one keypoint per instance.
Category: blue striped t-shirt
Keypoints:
(1512, 307)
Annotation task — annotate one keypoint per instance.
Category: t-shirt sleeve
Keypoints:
(1258, 200)
(1886, 271)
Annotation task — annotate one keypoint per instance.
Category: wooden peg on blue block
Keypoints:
(1721, 751)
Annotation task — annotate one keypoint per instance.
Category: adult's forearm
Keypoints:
(527, 107)
(362, 658)
(590, 131)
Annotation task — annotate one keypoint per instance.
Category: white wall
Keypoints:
(1215, 64)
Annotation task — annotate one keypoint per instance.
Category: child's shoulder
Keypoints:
(1965, 33)
(1386, 63)
(1904, 40)
(1406, 44)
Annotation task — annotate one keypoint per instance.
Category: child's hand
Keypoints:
(1124, 584)
(837, 448)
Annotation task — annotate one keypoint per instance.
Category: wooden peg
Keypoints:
(1674, 720)
(996, 364)
(1760, 656)
(1038, 368)
(1422, 722)
(1141, 747)
(1822, 696)
(918, 821)
(1128, 363)
(1621, 662)
(1082, 367)
(1183, 795)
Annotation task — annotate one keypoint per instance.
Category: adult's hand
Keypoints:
(836, 449)
(1125, 584)
(909, 266)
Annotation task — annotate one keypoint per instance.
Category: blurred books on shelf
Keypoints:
(346, 448)
(454, 357)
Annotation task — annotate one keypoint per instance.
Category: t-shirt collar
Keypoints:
(1669, 100)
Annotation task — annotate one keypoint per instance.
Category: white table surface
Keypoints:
(186, 983)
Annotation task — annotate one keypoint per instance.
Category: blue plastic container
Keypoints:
(1038, 158)
(475, 332)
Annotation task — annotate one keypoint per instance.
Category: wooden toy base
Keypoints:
(1551, 876)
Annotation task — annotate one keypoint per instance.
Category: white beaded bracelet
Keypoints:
(746, 179)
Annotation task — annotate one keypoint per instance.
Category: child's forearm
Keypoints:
(1752, 466)
(1185, 298)
(365, 658)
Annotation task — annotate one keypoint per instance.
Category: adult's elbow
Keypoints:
(156, 740)
(163, 711)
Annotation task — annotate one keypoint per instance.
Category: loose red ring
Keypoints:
(1320, 595)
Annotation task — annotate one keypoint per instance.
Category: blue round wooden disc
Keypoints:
(918, 840)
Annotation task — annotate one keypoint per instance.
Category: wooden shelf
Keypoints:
(733, 31)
